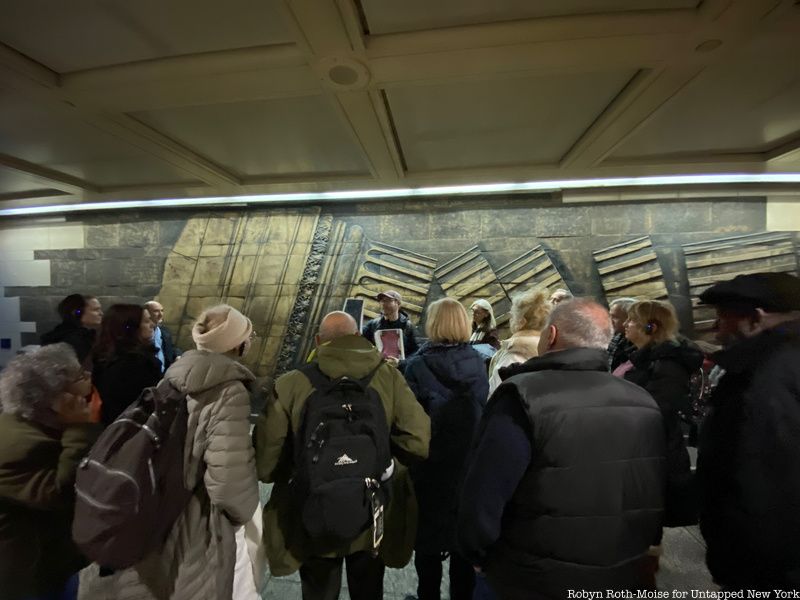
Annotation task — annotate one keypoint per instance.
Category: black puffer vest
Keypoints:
(592, 498)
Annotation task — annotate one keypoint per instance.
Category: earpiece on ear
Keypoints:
(649, 328)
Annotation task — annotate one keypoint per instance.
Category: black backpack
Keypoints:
(341, 451)
(130, 489)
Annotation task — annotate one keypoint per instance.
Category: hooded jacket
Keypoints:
(749, 464)
(197, 560)
(287, 544)
(449, 381)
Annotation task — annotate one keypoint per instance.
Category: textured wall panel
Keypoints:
(631, 269)
(468, 277)
(531, 269)
(718, 260)
(386, 267)
(256, 262)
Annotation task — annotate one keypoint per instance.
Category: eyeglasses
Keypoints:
(84, 375)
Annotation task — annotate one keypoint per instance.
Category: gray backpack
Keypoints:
(130, 488)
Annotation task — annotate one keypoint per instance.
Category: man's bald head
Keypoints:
(578, 323)
(156, 311)
(335, 325)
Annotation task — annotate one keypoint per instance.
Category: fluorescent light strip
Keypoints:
(450, 190)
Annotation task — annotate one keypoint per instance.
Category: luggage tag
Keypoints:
(377, 517)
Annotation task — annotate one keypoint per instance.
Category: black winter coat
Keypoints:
(451, 384)
(664, 370)
(749, 464)
(121, 378)
(590, 503)
(80, 338)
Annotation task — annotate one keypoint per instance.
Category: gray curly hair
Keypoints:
(31, 382)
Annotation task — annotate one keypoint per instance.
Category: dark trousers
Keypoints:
(322, 577)
(429, 573)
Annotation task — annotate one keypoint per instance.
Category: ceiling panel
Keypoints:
(506, 122)
(269, 137)
(83, 34)
(412, 15)
(76, 148)
(748, 103)
(15, 182)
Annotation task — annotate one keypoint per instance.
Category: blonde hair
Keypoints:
(660, 314)
(447, 321)
(532, 307)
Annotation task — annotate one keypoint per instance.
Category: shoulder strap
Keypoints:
(365, 381)
(318, 379)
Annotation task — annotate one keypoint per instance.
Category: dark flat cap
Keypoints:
(772, 292)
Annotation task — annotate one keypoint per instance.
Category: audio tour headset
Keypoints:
(652, 322)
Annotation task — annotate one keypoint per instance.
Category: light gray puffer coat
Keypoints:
(197, 560)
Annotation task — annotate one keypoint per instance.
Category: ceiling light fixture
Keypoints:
(381, 194)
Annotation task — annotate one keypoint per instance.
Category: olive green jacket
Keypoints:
(37, 473)
(286, 543)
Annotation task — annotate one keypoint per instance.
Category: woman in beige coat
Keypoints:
(199, 559)
(529, 311)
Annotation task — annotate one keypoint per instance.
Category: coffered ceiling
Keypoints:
(110, 99)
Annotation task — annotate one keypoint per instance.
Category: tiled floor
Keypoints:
(682, 568)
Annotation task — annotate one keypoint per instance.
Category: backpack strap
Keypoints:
(320, 381)
(365, 381)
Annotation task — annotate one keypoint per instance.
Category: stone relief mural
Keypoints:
(260, 263)
(286, 268)
(631, 269)
(388, 267)
(717, 260)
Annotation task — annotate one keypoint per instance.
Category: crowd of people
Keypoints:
(546, 462)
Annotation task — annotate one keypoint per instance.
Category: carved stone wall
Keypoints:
(286, 268)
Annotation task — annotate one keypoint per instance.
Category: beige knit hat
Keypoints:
(220, 329)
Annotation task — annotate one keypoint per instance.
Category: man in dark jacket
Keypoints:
(168, 353)
(749, 454)
(566, 487)
(392, 318)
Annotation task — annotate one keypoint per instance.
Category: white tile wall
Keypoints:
(54, 237)
(24, 272)
(18, 268)
(11, 327)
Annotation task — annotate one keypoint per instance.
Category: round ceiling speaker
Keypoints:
(344, 73)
